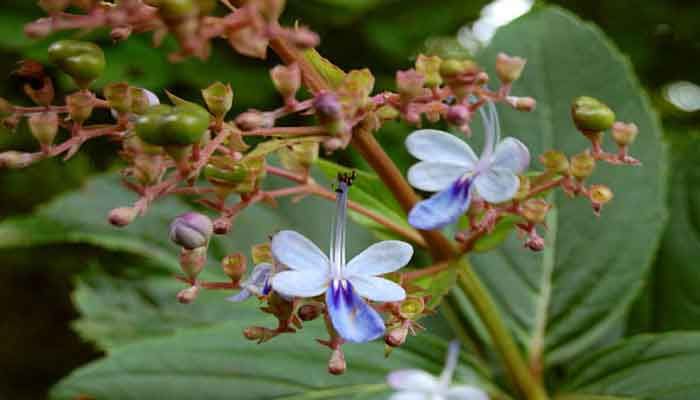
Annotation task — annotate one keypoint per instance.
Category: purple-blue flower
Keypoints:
(258, 284)
(311, 273)
(450, 167)
(415, 384)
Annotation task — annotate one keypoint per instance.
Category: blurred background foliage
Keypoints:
(661, 38)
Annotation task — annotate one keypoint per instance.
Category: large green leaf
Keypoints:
(569, 296)
(217, 363)
(650, 367)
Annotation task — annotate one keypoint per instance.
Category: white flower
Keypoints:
(415, 384)
(450, 167)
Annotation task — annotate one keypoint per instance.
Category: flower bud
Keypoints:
(599, 196)
(83, 61)
(624, 134)
(287, 79)
(452, 68)
(191, 230)
(327, 106)
(222, 226)
(122, 216)
(118, 96)
(16, 159)
(412, 307)
(80, 106)
(192, 261)
(309, 312)
(429, 67)
(397, 336)
(234, 266)
(582, 165)
(254, 119)
(535, 242)
(187, 296)
(555, 162)
(458, 114)
(254, 332)
(523, 187)
(120, 33)
(304, 38)
(591, 115)
(409, 84)
(535, 210)
(388, 112)
(219, 99)
(336, 364)
(509, 68)
(524, 104)
(44, 127)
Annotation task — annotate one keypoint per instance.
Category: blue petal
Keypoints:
(353, 319)
(443, 208)
(240, 296)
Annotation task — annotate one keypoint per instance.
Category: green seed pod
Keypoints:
(80, 106)
(582, 165)
(180, 125)
(591, 115)
(555, 162)
(225, 176)
(83, 61)
(430, 68)
(118, 95)
(219, 98)
(44, 127)
(451, 68)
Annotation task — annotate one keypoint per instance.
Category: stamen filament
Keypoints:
(337, 251)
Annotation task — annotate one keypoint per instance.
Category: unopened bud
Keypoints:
(16, 159)
(192, 261)
(534, 241)
(624, 134)
(44, 127)
(222, 226)
(120, 33)
(191, 230)
(397, 336)
(535, 210)
(509, 68)
(309, 312)
(187, 296)
(452, 68)
(555, 162)
(525, 104)
(118, 96)
(234, 266)
(458, 114)
(582, 165)
(254, 332)
(80, 105)
(388, 112)
(429, 67)
(254, 119)
(523, 187)
(599, 196)
(409, 84)
(304, 38)
(219, 99)
(336, 364)
(287, 79)
(591, 115)
(122, 216)
(327, 106)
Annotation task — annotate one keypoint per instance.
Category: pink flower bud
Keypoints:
(327, 106)
(122, 216)
(535, 242)
(525, 104)
(624, 134)
(191, 230)
(16, 159)
(336, 364)
(287, 79)
(458, 114)
(304, 38)
(410, 84)
(509, 68)
(254, 119)
(222, 226)
(397, 336)
(187, 296)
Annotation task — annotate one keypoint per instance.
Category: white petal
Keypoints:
(380, 258)
(434, 176)
(377, 289)
(300, 283)
(464, 392)
(497, 185)
(439, 146)
(297, 252)
(414, 380)
(410, 396)
(511, 154)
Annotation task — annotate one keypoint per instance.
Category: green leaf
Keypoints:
(569, 296)
(329, 71)
(217, 363)
(650, 367)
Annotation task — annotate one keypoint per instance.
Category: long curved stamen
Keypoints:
(337, 250)
(450, 363)
(492, 129)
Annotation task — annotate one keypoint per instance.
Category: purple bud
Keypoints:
(458, 115)
(327, 106)
(191, 230)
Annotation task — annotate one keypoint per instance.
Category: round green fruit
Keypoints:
(591, 115)
(83, 61)
(180, 125)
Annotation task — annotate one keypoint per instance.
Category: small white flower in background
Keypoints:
(311, 273)
(450, 167)
(415, 384)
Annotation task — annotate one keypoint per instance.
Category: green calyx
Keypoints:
(174, 8)
(180, 125)
(83, 61)
(591, 115)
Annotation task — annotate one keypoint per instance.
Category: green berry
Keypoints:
(591, 115)
(83, 61)
(180, 125)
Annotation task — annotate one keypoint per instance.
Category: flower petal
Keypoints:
(443, 208)
(434, 176)
(380, 258)
(512, 155)
(464, 392)
(439, 146)
(353, 319)
(377, 289)
(300, 283)
(497, 185)
(243, 295)
(414, 380)
(410, 396)
(297, 252)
